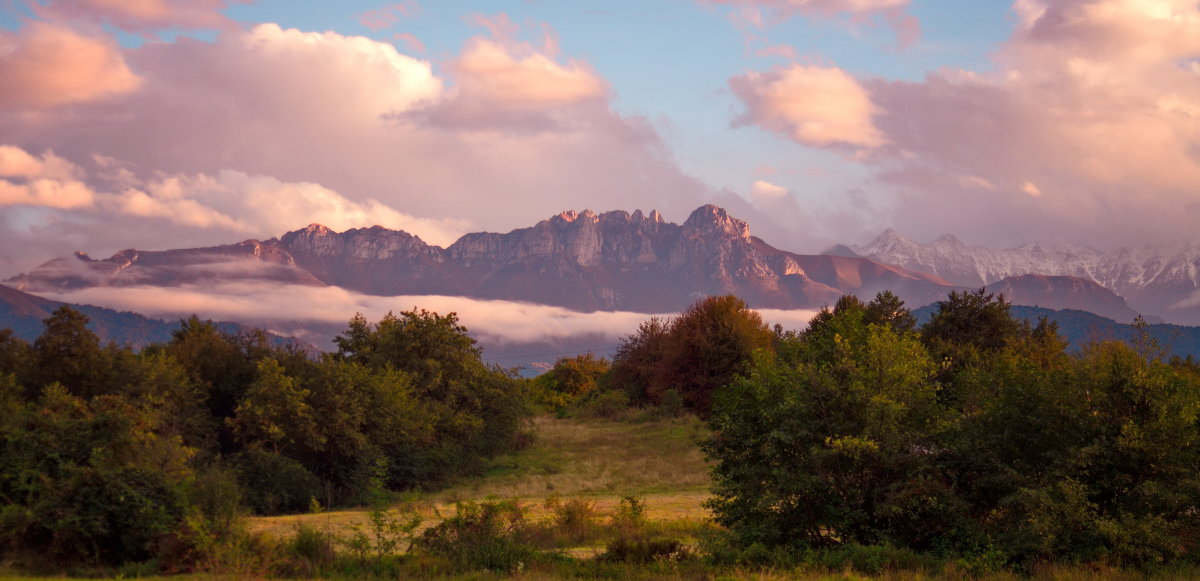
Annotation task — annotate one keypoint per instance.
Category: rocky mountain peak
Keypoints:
(317, 230)
(889, 239)
(709, 220)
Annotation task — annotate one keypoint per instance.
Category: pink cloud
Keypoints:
(502, 29)
(140, 16)
(413, 43)
(820, 106)
(751, 13)
(44, 65)
(323, 112)
(388, 16)
(1087, 129)
(779, 50)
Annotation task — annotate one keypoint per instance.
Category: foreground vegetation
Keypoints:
(974, 446)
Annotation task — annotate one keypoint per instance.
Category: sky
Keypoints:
(157, 124)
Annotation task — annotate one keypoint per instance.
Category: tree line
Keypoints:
(974, 436)
(109, 455)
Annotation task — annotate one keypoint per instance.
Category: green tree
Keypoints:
(69, 354)
(476, 409)
(970, 323)
(835, 448)
(275, 411)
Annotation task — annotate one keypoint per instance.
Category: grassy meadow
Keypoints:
(593, 460)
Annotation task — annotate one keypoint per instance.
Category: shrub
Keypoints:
(481, 536)
(606, 405)
(576, 521)
(644, 550)
(274, 483)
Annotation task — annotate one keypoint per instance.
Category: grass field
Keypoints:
(597, 460)
(596, 463)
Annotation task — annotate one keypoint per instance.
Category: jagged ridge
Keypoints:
(585, 261)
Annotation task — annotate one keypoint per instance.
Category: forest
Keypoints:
(974, 443)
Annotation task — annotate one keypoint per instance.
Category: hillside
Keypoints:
(24, 313)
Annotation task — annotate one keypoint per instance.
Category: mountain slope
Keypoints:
(1160, 283)
(24, 313)
(582, 261)
(1063, 292)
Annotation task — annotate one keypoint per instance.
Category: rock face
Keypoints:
(584, 261)
(1162, 283)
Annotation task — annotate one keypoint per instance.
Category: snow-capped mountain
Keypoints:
(1158, 282)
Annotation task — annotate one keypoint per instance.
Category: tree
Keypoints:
(570, 379)
(476, 409)
(638, 363)
(835, 448)
(69, 354)
(275, 411)
(695, 354)
(970, 321)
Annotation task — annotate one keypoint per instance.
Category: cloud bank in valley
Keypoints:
(316, 313)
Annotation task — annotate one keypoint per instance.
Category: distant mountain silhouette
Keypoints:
(1081, 327)
(24, 313)
(1161, 283)
(582, 261)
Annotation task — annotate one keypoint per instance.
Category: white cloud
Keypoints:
(289, 307)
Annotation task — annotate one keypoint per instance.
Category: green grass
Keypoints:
(591, 464)
(601, 460)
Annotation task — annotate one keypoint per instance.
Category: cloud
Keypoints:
(43, 66)
(823, 8)
(227, 204)
(750, 12)
(507, 85)
(819, 106)
(1091, 101)
(1087, 129)
(139, 16)
(327, 310)
(341, 112)
(388, 16)
(46, 182)
(18, 163)
(762, 190)
(46, 193)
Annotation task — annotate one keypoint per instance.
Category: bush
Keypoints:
(606, 405)
(104, 517)
(481, 536)
(644, 550)
(275, 484)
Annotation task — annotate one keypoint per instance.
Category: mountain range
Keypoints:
(616, 261)
(582, 261)
(1159, 283)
